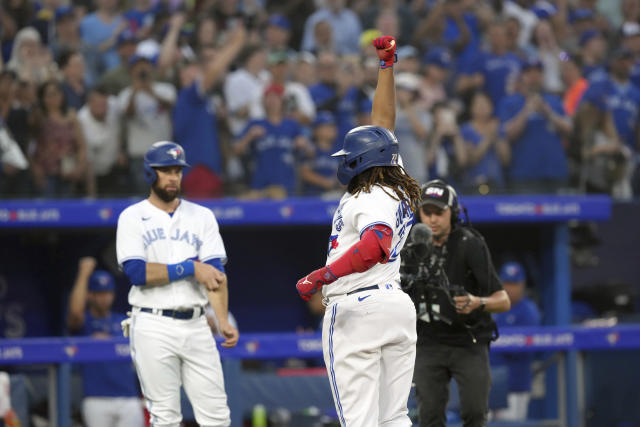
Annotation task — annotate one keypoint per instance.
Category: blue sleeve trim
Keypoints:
(136, 271)
(216, 262)
(180, 270)
(365, 228)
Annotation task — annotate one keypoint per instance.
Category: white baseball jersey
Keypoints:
(353, 216)
(150, 234)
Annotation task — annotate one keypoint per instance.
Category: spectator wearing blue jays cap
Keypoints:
(110, 389)
(523, 312)
(278, 32)
(593, 49)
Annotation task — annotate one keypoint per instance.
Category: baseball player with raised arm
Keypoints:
(369, 330)
(172, 252)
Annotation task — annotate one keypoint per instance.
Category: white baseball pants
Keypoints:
(369, 346)
(112, 412)
(170, 352)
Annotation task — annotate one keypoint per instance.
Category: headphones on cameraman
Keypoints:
(452, 202)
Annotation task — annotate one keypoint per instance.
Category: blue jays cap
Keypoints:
(438, 56)
(532, 62)
(280, 21)
(580, 14)
(126, 36)
(586, 36)
(512, 272)
(102, 281)
(63, 12)
(324, 118)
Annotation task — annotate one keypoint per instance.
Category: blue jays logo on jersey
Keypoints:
(156, 234)
(174, 152)
(333, 243)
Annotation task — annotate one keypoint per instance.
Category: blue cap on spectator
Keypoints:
(126, 36)
(532, 61)
(279, 20)
(407, 51)
(63, 11)
(580, 14)
(512, 272)
(101, 281)
(587, 35)
(438, 56)
(324, 118)
(544, 9)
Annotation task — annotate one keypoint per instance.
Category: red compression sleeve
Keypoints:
(374, 247)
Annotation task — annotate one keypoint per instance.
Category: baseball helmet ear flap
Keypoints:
(150, 174)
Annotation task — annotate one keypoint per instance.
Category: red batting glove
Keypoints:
(314, 281)
(386, 48)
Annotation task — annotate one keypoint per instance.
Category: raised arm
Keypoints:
(383, 113)
(78, 297)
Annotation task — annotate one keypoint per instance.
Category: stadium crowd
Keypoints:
(493, 96)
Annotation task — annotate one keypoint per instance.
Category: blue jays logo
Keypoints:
(333, 243)
(174, 152)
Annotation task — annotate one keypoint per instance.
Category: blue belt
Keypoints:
(174, 314)
(368, 288)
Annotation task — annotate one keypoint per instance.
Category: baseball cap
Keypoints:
(274, 88)
(407, 51)
(408, 81)
(630, 29)
(532, 62)
(512, 272)
(280, 21)
(437, 193)
(101, 281)
(586, 36)
(580, 14)
(544, 9)
(63, 12)
(126, 36)
(324, 118)
(438, 56)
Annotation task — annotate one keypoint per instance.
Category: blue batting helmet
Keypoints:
(163, 153)
(365, 147)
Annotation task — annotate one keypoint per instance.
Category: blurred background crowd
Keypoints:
(493, 96)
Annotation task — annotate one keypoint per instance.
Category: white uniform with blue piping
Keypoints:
(369, 329)
(172, 351)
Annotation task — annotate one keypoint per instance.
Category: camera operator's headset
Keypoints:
(453, 198)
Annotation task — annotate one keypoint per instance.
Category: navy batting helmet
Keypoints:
(365, 147)
(163, 153)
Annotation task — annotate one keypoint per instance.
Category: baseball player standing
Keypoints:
(369, 330)
(173, 254)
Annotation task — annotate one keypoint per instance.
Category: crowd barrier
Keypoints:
(78, 213)
(60, 352)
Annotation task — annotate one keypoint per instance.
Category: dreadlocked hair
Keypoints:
(392, 177)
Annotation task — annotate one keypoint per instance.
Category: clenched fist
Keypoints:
(314, 281)
(386, 49)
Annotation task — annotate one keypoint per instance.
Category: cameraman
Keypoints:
(455, 288)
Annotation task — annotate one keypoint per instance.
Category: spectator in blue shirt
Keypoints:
(111, 396)
(534, 123)
(617, 100)
(99, 31)
(75, 91)
(487, 153)
(318, 174)
(345, 25)
(523, 312)
(273, 143)
(593, 50)
(194, 117)
(494, 71)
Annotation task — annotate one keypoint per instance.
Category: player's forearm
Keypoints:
(219, 300)
(383, 113)
(77, 302)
